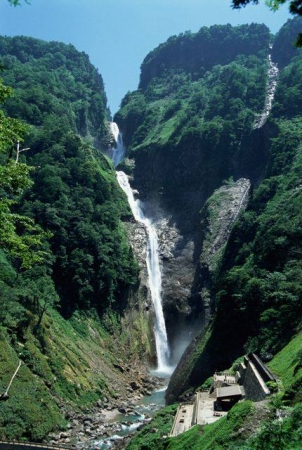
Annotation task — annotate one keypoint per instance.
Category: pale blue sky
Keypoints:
(118, 34)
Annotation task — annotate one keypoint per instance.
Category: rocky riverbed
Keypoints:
(108, 423)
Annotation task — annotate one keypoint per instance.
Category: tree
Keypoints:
(17, 2)
(39, 295)
(295, 7)
(19, 235)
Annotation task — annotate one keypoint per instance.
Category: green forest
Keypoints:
(63, 245)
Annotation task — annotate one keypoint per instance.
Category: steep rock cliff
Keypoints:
(187, 129)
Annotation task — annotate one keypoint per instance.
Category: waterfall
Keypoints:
(118, 152)
(271, 85)
(152, 260)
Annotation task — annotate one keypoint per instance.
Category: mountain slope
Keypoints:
(258, 284)
(191, 127)
(61, 317)
(188, 129)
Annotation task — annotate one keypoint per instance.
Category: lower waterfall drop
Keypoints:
(152, 260)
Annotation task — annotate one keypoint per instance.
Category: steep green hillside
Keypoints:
(287, 365)
(258, 286)
(76, 197)
(54, 79)
(190, 127)
(62, 291)
(188, 124)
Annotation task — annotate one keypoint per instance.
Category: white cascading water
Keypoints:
(153, 266)
(119, 151)
(271, 85)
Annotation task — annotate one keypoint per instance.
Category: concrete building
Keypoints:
(248, 383)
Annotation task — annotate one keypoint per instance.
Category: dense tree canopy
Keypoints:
(18, 234)
(199, 95)
(75, 194)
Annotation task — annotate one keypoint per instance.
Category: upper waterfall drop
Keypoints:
(119, 151)
(271, 85)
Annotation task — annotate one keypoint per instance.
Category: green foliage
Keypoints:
(173, 105)
(151, 436)
(17, 2)
(197, 101)
(207, 384)
(263, 286)
(75, 195)
(295, 7)
(19, 234)
(215, 436)
(179, 52)
(54, 79)
(284, 434)
(29, 412)
(70, 190)
(287, 366)
(284, 48)
(24, 246)
(258, 289)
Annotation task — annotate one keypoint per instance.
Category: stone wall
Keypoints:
(251, 379)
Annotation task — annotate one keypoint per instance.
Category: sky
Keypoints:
(118, 34)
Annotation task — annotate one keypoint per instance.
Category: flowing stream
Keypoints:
(153, 264)
(271, 85)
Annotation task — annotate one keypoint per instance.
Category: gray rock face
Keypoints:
(178, 268)
(186, 278)
(137, 238)
(178, 272)
(220, 213)
(139, 316)
(176, 253)
(218, 217)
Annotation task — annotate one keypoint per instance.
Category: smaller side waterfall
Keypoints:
(154, 274)
(271, 85)
(118, 152)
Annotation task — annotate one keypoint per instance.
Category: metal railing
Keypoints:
(15, 444)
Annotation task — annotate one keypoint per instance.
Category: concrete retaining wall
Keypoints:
(254, 385)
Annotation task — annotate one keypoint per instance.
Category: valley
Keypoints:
(143, 253)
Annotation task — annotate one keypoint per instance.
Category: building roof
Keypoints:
(230, 391)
